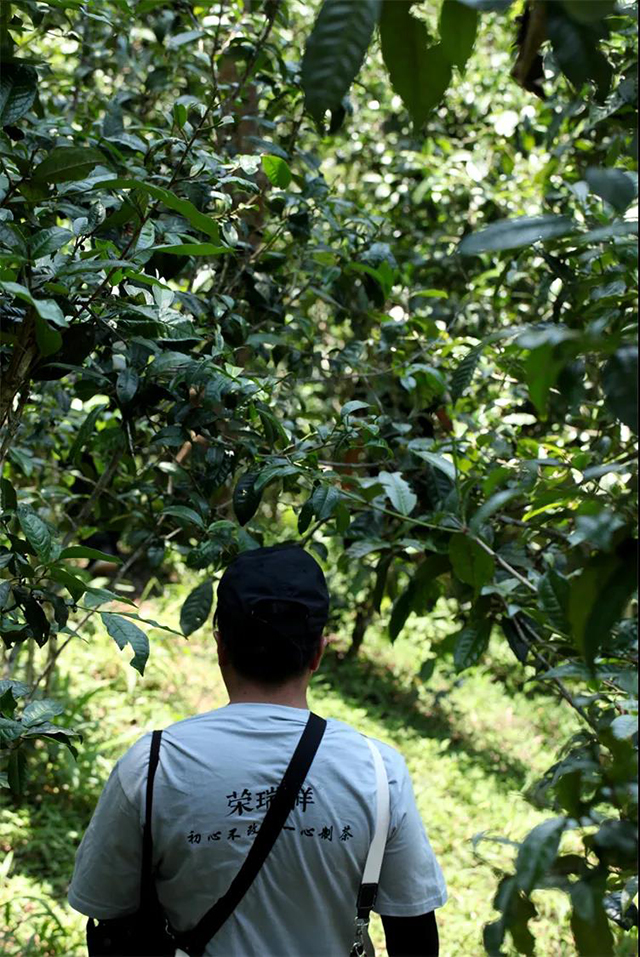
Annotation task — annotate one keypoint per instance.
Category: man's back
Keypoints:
(216, 777)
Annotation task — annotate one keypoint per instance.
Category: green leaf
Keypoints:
(620, 383)
(304, 517)
(83, 551)
(553, 599)
(589, 923)
(48, 241)
(5, 589)
(470, 562)
(471, 644)
(36, 532)
(187, 516)
(624, 726)
(416, 594)
(463, 373)
(74, 585)
(10, 730)
(48, 340)
(334, 52)
(202, 222)
(598, 530)
(616, 186)
(8, 497)
(124, 632)
(42, 710)
(17, 771)
(458, 27)
(514, 233)
(278, 172)
(46, 308)
(192, 249)
(196, 608)
(18, 688)
(599, 596)
(437, 461)
(576, 48)
(419, 73)
(18, 88)
(245, 498)
(542, 368)
(537, 852)
(67, 163)
(492, 505)
(398, 491)
(127, 385)
(402, 608)
(83, 434)
(324, 500)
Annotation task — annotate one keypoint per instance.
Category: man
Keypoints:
(218, 773)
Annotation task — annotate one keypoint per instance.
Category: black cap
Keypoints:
(284, 573)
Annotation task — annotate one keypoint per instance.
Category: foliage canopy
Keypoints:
(405, 337)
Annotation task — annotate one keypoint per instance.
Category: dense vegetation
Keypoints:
(368, 283)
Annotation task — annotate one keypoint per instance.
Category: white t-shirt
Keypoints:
(213, 784)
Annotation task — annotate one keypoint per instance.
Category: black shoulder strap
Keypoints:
(196, 940)
(147, 886)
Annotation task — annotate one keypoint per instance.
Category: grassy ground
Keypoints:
(470, 744)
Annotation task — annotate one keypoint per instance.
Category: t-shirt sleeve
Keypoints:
(411, 880)
(106, 875)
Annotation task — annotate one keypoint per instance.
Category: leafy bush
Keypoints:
(409, 344)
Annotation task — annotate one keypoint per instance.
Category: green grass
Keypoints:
(472, 743)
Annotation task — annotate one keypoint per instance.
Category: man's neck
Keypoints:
(290, 696)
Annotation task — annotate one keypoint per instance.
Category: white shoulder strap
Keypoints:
(376, 851)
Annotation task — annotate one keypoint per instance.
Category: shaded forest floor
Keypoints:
(472, 743)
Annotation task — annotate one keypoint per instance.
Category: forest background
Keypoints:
(359, 275)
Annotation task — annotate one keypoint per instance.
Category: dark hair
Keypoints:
(261, 653)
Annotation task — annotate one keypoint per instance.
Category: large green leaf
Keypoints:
(458, 27)
(84, 551)
(470, 562)
(196, 608)
(463, 373)
(537, 852)
(41, 710)
(186, 516)
(620, 381)
(245, 498)
(398, 491)
(553, 599)
(617, 186)
(192, 249)
(47, 309)
(18, 88)
(124, 632)
(47, 241)
(48, 340)
(84, 432)
(589, 923)
(67, 163)
(419, 73)
(335, 50)
(599, 595)
(36, 532)
(186, 208)
(471, 644)
(576, 48)
(324, 500)
(127, 385)
(277, 171)
(514, 233)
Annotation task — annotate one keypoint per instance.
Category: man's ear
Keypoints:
(222, 651)
(317, 658)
